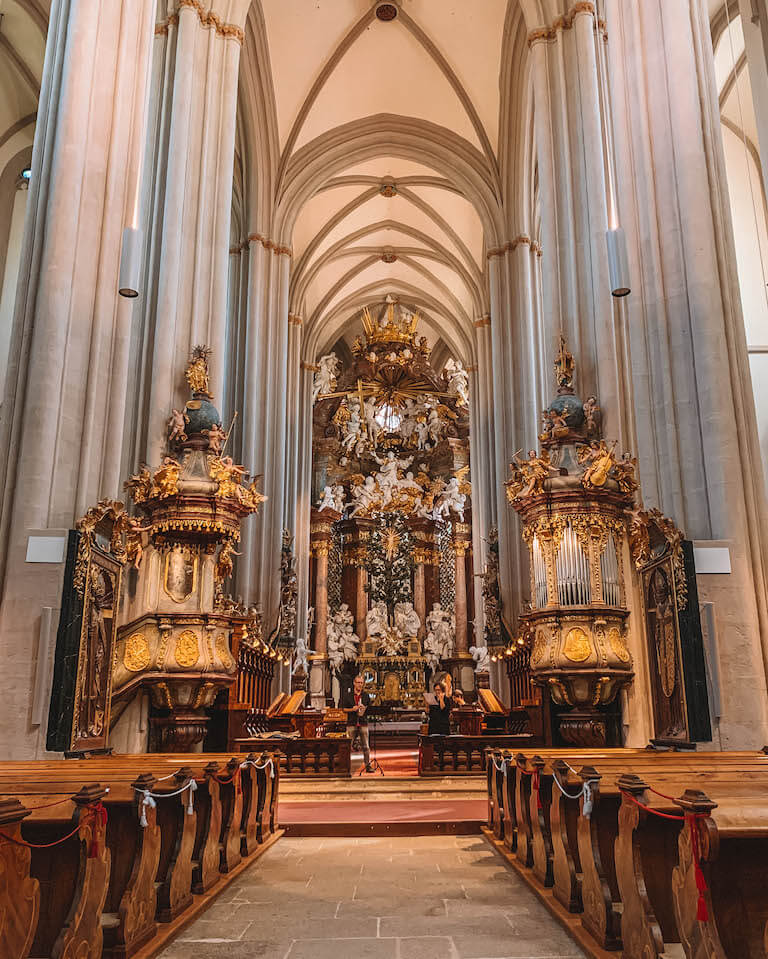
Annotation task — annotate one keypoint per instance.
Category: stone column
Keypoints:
(461, 543)
(197, 48)
(697, 441)
(320, 543)
(422, 557)
(64, 407)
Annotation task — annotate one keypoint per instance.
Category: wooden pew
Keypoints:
(560, 845)
(157, 865)
(73, 875)
(19, 892)
(656, 871)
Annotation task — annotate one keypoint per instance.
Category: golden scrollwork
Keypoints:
(652, 535)
(109, 511)
(539, 647)
(618, 644)
(577, 646)
(222, 648)
(136, 654)
(187, 651)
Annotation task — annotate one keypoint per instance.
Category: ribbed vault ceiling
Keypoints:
(400, 220)
(23, 29)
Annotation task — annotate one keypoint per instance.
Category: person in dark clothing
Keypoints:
(440, 714)
(356, 702)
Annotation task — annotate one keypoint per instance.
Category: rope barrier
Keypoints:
(690, 819)
(94, 811)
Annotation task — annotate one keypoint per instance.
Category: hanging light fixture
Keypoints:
(618, 263)
(130, 263)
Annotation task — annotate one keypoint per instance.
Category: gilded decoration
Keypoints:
(652, 535)
(574, 498)
(618, 644)
(222, 648)
(187, 651)
(577, 646)
(539, 647)
(136, 655)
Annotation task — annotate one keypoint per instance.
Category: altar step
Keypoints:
(383, 806)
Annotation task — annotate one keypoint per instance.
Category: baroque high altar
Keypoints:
(390, 538)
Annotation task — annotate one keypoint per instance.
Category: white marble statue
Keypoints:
(387, 477)
(481, 658)
(451, 500)
(342, 639)
(435, 426)
(458, 380)
(407, 619)
(365, 496)
(333, 498)
(376, 619)
(353, 430)
(301, 653)
(371, 422)
(441, 626)
(432, 651)
(325, 377)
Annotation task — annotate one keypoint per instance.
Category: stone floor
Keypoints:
(425, 897)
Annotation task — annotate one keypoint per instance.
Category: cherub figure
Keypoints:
(592, 415)
(600, 461)
(217, 437)
(333, 498)
(301, 654)
(625, 472)
(134, 541)
(451, 499)
(224, 565)
(177, 424)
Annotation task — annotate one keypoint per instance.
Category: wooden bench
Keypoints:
(159, 854)
(592, 862)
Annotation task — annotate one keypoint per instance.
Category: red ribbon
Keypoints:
(702, 913)
(535, 785)
(98, 814)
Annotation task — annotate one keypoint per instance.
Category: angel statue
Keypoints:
(481, 658)
(365, 496)
(599, 461)
(407, 619)
(376, 619)
(301, 652)
(432, 651)
(177, 425)
(458, 380)
(440, 627)
(451, 499)
(387, 477)
(325, 377)
(333, 498)
(217, 437)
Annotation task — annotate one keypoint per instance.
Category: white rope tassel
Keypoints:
(192, 791)
(586, 809)
(146, 800)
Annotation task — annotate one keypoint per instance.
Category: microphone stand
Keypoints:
(374, 765)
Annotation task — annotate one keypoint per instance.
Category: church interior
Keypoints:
(383, 533)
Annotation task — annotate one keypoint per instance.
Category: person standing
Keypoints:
(356, 702)
(440, 713)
